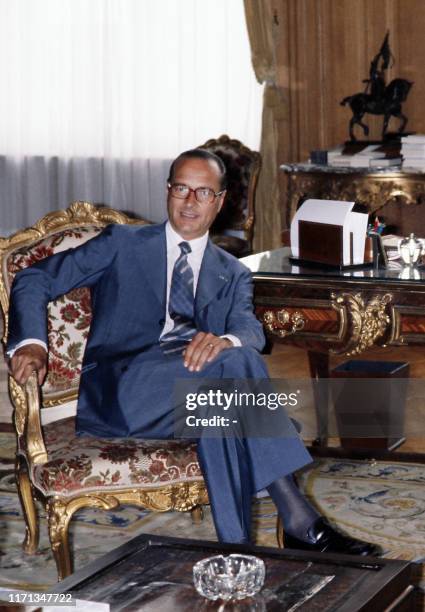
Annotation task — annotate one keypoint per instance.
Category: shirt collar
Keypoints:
(197, 245)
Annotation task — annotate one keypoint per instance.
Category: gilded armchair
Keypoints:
(65, 472)
(234, 226)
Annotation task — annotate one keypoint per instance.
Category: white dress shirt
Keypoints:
(198, 246)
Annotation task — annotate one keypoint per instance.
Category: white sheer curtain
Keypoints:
(99, 95)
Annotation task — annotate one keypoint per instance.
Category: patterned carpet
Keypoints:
(380, 502)
(377, 501)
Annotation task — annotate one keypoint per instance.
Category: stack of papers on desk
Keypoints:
(413, 151)
(363, 156)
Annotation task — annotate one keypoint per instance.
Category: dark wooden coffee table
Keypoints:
(154, 573)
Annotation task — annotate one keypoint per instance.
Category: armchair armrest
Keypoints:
(36, 448)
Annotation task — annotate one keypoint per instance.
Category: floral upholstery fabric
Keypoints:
(69, 316)
(82, 464)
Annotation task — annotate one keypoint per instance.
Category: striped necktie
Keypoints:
(181, 304)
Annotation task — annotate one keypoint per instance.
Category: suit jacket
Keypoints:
(126, 270)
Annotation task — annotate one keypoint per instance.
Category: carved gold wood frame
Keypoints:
(368, 320)
(182, 496)
(274, 320)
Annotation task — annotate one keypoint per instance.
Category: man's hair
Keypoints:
(200, 154)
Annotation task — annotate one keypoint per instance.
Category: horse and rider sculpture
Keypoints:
(378, 97)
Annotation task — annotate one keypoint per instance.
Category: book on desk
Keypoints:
(359, 155)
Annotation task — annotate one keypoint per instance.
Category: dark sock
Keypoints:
(296, 512)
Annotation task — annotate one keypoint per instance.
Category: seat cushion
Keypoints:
(84, 464)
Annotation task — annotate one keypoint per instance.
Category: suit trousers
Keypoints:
(234, 468)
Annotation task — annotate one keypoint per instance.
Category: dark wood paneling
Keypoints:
(323, 52)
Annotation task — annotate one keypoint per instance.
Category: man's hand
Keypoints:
(27, 359)
(203, 348)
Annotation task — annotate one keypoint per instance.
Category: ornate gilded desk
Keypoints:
(395, 196)
(336, 312)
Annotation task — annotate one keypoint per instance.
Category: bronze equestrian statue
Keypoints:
(383, 99)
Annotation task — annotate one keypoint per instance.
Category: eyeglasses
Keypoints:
(203, 195)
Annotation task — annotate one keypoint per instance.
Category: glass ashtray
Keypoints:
(232, 577)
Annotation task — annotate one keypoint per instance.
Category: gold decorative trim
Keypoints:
(274, 319)
(367, 320)
(77, 213)
(181, 497)
(396, 337)
(373, 190)
(36, 449)
(25, 491)
(17, 396)
(311, 305)
(342, 317)
(56, 399)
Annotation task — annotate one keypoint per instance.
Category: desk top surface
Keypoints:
(276, 263)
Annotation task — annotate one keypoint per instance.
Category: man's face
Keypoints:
(189, 218)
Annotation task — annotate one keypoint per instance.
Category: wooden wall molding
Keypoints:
(323, 52)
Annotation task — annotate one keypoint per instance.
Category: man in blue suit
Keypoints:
(168, 304)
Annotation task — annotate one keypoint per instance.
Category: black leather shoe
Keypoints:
(322, 537)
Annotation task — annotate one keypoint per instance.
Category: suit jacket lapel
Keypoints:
(212, 277)
(154, 263)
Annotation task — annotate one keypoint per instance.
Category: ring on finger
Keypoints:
(210, 345)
